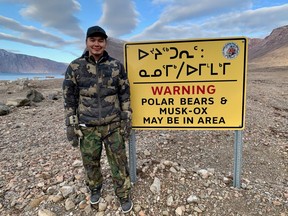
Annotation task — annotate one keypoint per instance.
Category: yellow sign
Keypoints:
(191, 84)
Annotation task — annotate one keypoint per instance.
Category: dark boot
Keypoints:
(95, 195)
(126, 205)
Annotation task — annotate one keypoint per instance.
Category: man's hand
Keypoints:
(126, 125)
(72, 136)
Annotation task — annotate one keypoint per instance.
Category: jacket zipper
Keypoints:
(99, 87)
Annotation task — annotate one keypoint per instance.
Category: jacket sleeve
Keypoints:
(124, 92)
(70, 92)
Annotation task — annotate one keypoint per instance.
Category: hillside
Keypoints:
(272, 51)
(19, 63)
(115, 48)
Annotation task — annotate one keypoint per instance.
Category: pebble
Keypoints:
(102, 206)
(155, 187)
(45, 212)
(55, 198)
(69, 204)
(67, 190)
(180, 211)
(192, 199)
(36, 202)
(170, 200)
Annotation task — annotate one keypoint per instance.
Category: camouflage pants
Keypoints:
(91, 148)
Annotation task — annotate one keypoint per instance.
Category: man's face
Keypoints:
(96, 46)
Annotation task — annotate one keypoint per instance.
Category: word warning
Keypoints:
(188, 84)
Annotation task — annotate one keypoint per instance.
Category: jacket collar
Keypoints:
(85, 55)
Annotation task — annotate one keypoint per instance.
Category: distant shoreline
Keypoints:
(30, 76)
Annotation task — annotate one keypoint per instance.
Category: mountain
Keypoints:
(115, 48)
(19, 63)
(272, 51)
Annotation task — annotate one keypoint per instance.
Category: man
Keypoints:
(97, 108)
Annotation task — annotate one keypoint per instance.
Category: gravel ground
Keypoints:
(178, 172)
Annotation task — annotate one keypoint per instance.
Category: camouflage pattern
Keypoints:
(91, 148)
(125, 125)
(96, 91)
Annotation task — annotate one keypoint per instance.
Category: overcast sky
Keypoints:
(56, 29)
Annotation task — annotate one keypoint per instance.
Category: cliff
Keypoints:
(19, 63)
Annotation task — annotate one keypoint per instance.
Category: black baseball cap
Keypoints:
(96, 31)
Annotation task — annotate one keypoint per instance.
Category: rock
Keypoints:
(69, 204)
(45, 212)
(155, 187)
(88, 209)
(197, 209)
(4, 109)
(53, 96)
(50, 190)
(59, 178)
(55, 198)
(77, 163)
(18, 102)
(170, 200)
(36, 202)
(137, 208)
(203, 173)
(141, 213)
(192, 199)
(83, 204)
(180, 211)
(173, 170)
(168, 163)
(109, 199)
(34, 95)
(165, 213)
(147, 153)
(102, 206)
(227, 180)
(67, 190)
(276, 203)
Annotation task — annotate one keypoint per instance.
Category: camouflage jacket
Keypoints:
(97, 92)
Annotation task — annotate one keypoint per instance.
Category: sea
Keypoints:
(30, 76)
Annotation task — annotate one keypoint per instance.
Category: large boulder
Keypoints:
(4, 109)
(34, 95)
(18, 102)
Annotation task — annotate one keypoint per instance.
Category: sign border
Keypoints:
(240, 127)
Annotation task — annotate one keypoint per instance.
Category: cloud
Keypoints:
(178, 21)
(261, 20)
(21, 40)
(30, 34)
(55, 14)
(120, 17)
(192, 9)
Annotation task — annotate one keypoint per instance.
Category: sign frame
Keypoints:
(144, 53)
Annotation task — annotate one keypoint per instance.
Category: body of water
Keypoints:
(39, 76)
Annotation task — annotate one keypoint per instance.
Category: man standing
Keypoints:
(97, 108)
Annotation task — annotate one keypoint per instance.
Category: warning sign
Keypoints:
(191, 84)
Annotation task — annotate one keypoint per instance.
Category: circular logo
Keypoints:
(230, 50)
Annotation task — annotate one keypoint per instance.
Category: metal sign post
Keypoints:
(237, 159)
(132, 157)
